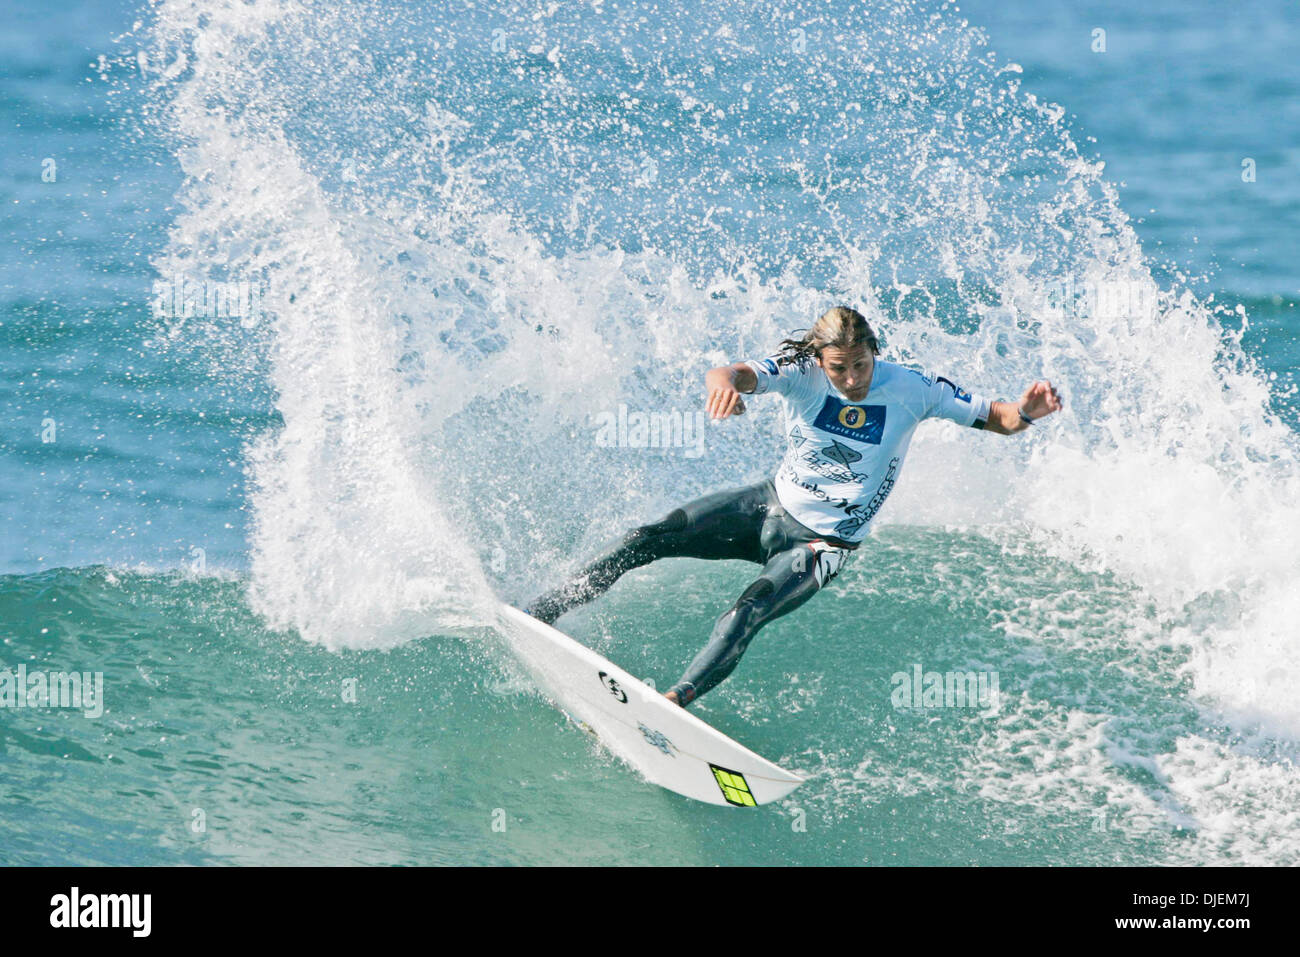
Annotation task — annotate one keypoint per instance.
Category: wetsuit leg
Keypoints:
(716, 526)
(788, 580)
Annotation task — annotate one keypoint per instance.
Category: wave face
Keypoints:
(479, 231)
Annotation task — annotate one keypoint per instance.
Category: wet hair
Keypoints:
(839, 327)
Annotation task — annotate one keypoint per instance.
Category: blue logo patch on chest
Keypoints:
(864, 423)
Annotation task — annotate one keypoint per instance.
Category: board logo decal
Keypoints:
(734, 787)
(657, 739)
(613, 687)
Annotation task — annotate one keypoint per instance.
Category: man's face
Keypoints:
(849, 370)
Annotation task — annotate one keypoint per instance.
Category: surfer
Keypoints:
(849, 419)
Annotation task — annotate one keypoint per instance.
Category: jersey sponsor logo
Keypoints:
(839, 452)
(862, 423)
(849, 526)
(852, 417)
(834, 462)
(962, 394)
(857, 514)
(846, 528)
(882, 491)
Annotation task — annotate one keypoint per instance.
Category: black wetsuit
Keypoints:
(746, 523)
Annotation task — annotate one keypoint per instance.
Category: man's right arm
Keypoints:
(724, 385)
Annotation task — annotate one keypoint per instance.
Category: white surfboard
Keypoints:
(665, 743)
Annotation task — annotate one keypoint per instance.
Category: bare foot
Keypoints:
(672, 696)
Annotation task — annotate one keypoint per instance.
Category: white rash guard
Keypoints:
(844, 457)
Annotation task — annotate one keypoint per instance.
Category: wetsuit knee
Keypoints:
(674, 521)
(731, 636)
(646, 538)
(759, 589)
(756, 593)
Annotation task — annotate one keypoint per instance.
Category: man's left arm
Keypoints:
(1040, 399)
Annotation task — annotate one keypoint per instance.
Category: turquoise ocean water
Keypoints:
(449, 240)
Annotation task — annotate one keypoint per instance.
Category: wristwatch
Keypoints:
(1024, 418)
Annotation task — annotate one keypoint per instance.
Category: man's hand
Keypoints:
(723, 397)
(725, 402)
(1041, 399)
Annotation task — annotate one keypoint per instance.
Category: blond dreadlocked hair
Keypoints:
(839, 327)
